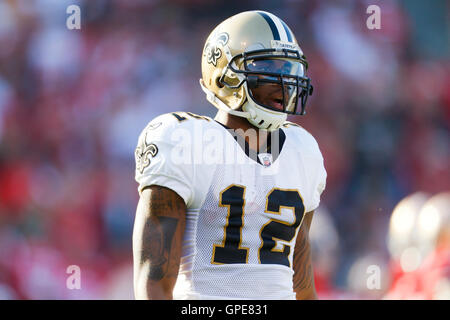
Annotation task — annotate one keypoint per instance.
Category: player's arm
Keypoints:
(303, 270)
(157, 237)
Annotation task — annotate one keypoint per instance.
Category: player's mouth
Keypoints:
(270, 95)
(276, 103)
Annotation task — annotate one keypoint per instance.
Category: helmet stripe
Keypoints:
(272, 25)
(279, 25)
(288, 32)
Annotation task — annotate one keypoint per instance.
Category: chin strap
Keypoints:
(219, 104)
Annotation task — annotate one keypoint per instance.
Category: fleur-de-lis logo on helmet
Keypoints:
(212, 52)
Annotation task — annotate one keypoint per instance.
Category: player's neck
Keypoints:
(235, 123)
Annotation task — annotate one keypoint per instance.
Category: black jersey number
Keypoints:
(230, 251)
(270, 251)
(277, 229)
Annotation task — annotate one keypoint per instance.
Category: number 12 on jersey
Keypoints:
(231, 251)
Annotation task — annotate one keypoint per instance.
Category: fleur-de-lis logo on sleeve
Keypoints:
(143, 152)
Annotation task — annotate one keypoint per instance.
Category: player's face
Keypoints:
(273, 94)
(269, 95)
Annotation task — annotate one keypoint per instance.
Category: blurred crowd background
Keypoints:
(73, 102)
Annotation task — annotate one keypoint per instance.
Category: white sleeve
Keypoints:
(314, 167)
(158, 159)
(319, 184)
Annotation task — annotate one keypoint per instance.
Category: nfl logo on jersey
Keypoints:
(265, 158)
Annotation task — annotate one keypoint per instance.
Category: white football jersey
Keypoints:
(244, 209)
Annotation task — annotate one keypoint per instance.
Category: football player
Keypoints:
(226, 203)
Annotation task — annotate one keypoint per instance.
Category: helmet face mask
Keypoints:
(281, 72)
(252, 67)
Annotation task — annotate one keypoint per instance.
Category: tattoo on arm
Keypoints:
(303, 272)
(158, 235)
(158, 238)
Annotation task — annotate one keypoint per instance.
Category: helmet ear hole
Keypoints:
(219, 83)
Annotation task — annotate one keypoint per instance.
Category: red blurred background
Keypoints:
(73, 102)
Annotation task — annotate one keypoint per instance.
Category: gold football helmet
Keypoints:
(253, 67)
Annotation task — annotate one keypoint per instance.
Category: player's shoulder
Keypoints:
(301, 137)
(168, 124)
